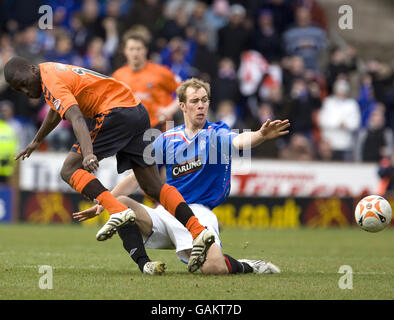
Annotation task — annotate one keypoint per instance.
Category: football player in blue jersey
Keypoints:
(196, 159)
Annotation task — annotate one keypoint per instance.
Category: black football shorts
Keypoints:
(120, 132)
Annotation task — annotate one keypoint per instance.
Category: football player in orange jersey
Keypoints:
(119, 122)
(154, 84)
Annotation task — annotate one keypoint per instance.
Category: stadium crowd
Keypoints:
(263, 58)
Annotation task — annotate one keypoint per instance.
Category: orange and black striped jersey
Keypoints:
(66, 85)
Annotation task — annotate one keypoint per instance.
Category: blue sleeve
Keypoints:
(224, 138)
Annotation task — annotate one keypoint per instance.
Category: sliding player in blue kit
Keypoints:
(196, 159)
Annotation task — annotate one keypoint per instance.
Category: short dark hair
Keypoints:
(13, 65)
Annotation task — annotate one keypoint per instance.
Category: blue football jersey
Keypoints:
(199, 167)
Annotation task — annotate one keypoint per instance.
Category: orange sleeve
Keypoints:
(57, 92)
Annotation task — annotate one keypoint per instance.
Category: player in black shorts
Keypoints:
(119, 123)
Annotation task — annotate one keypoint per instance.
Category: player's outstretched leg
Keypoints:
(90, 187)
(133, 243)
(170, 198)
(201, 245)
(260, 266)
(115, 221)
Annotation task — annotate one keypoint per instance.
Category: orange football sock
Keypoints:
(90, 187)
(170, 198)
(194, 226)
(80, 179)
(109, 202)
(173, 202)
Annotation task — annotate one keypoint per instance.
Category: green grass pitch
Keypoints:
(83, 268)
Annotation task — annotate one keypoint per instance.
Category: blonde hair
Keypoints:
(193, 83)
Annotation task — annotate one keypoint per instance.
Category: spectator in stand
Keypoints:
(324, 151)
(234, 37)
(63, 52)
(282, 12)
(305, 39)
(299, 148)
(79, 33)
(253, 73)
(95, 58)
(342, 63)
(386, 174)
(382, 75)
(205, 60)
(217, 14)
(266, 39)
(7, 50)
(63, 11)
(28, 45)
(389, 102)
(25, 133)
(147, 13)
(176, 56)
(318, 15)
(99, 52)
(199, 21)
(174, 26)
(301, 107)
(276, 99)
(292, 68)
(366, 99)
(90, 14)
(339, 119)
(8, 151)
(113, 9)
(270, 149)
(225, 85)
(376, 141)
(227, 112)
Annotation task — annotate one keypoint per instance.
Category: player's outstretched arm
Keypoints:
(143, 220)
(50, 122)
(74, 115)
(130, 184)
(269, 130)
(88, 213)
(126, 187)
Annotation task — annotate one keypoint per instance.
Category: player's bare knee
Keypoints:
(210, 268)
(72, 163)
(66, 173)
(214, 266)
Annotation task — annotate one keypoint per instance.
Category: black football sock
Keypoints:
(133, 244)
(234, 266)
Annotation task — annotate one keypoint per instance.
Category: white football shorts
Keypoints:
(169, 233)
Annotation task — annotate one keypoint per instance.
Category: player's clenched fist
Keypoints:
(90, 163)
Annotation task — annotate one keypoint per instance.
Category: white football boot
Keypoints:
(261, 267)
(200, 248)
(115, 221)
(154, 267)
